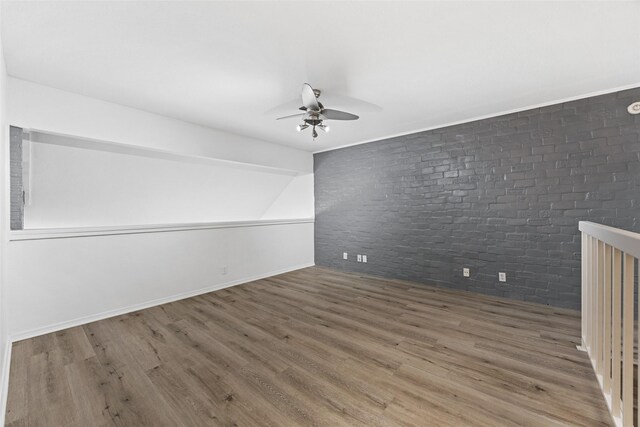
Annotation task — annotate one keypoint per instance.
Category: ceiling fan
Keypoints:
(315, 113)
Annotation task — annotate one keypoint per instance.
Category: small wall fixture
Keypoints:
(634, 108)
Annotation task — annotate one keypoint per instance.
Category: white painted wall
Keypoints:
(56, 283)
(35, 106)
(5, 346)
(295, 200)
(75, 187)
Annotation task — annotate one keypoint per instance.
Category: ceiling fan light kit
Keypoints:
(315, 114)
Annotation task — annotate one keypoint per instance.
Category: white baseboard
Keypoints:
(117, 312)
(4, 381)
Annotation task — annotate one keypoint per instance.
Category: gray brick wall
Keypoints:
(500, 194)
(16, 187)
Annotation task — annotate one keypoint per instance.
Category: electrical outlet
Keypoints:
(502, 277)
(364, 258)
(465, 272)
(224, 270)
(359, 258)
(345, 255)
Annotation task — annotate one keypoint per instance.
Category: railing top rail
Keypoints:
(626, 241)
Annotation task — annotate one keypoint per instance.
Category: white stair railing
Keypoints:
(609, 256)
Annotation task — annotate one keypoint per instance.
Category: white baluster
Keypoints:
(606, 379)
(627, 341)
(616, 333)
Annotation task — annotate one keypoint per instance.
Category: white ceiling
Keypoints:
(425, 64)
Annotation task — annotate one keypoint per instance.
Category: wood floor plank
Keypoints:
(17, 400)
(50, 390)
(88, 377)
(191, 408)
(313, 347)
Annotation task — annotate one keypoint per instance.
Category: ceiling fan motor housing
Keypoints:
(313, 121)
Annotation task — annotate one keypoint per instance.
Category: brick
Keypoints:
(15, 177)
(500, 194)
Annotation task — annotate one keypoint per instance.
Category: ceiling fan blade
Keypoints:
(346, 103)
(309, 99)
(282, 109)
(292, 116)
(338, 115)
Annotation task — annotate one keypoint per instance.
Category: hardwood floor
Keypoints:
(312, 347)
